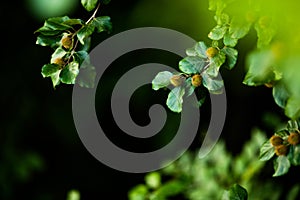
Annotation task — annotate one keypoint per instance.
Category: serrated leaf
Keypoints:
(292, 109)
(161, 80)
(89, 5)
(175, 99)
(280, 94)
(69, 73)
(102, 23)
(199, 49)
(87, 75)
(231, 57)
(217, 32)
(281, 166)
(267, 151)
(192, 64)
(213, 85)
(229, 40)
(235, 192)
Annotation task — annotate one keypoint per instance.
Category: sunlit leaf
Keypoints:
(89, 5)
(281, 166)
(235, 192)
(102, 23)
(231, 56)
(175, 99)
(192, 64)
(266, 151)
(217, 32)
(280, 94)
(69, 73)
(161, 80)
(292, 109)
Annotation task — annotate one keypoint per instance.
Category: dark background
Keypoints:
(42, 156)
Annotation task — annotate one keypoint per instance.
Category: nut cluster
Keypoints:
(282, 145)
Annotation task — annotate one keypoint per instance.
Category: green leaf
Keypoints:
(292, 125)
(213, 85)
(238, 28)
(58, 54)
(161, 80)
(281, 166)
(192, 64)
(231, 57)
(215, 64)
(201, 97)
(266, 151)
(199, 49)
(282, 133)
(85, 32)
(72, 22)
(294, 155)
(292, 109)
(280, 94)
(87, 75)
(81, 56)
(54, 26)
(153, 180)
(175, 99)
(89, 5)
(50, 69)
(260, 69)
(102, 23)
(236, 192)
(229, 40)
(189, 87)
(139, 192)
(168, 190)
(266, 29)
(52, 41)
(55, 78)
(69, 73)
(217, 32)
(219, 59)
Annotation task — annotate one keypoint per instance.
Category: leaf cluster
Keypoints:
(70, 40)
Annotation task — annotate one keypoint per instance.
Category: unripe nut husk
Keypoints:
(177, 80)
(211, 52)
(67, 42)
(281, 150)
(59, 61)
(294, 138)
(276, 140)
(196, 80)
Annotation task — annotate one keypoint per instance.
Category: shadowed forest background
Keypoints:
(41, 155)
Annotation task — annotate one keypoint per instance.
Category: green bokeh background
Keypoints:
(41, 155)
